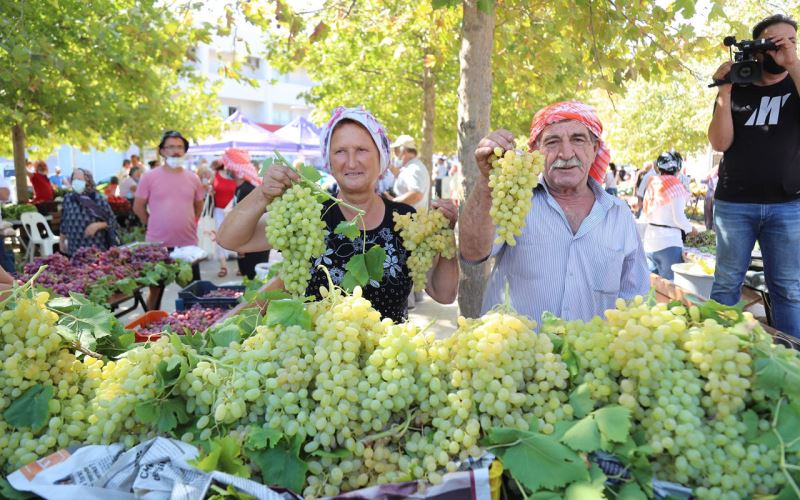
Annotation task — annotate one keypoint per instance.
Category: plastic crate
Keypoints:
(146, 319)
(193, 294)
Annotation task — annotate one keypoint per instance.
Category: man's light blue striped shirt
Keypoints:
(574, 276)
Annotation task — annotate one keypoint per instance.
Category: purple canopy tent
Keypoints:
(303, 134)
(239, 132)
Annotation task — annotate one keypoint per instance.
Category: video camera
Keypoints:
(745, 69)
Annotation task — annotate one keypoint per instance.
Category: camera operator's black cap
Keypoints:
(173, 133)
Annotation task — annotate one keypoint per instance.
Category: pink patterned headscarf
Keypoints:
(361, 115)
(238, 162)
(580, 112)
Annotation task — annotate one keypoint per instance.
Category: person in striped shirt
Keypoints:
(579, 250)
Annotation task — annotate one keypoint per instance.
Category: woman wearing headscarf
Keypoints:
(663, 210)
(355, 149)
(87, 219)
(238, 163)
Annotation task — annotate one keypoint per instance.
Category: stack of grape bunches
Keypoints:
(374, 402)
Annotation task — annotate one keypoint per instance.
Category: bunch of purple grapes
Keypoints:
(195, 320)
(150, 253)
(223, 293)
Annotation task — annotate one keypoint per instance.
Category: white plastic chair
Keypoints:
(39, 234)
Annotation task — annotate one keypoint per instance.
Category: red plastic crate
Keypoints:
(146, 319)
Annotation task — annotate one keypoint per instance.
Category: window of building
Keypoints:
(232, 110)
(253, 62)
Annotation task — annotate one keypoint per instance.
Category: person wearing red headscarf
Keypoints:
(579, 250)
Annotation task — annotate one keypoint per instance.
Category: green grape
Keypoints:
(425, 234)
(512, 178)
(295, 228)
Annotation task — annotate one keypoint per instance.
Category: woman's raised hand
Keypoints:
(278, 179)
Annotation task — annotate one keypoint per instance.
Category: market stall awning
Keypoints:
(303, 134)
(239, 132)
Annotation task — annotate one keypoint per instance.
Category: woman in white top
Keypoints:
(664, 201)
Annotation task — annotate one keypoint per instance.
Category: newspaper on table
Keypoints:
(153, 470)
(158, 470)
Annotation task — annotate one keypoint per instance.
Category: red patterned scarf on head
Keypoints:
(580, 112)
(238, 161)
(661, 190)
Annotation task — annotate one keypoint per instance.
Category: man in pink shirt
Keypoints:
(169, 200)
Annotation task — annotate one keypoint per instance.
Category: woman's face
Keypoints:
(354, 157)
(78, 174)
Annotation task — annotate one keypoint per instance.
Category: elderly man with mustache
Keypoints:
(579, 250)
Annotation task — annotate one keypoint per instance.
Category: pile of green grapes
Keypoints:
(512, 178)
(425, 234)
(371, 402)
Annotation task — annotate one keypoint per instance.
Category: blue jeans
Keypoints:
(660, 262)
(776, 227)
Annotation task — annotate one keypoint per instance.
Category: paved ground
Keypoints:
(441, 317)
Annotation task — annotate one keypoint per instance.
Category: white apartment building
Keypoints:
(274, 101)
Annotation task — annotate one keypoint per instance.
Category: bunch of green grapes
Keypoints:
(125, 382)
(512, 178)
(425, 234)
(295, 228)
(674, 377)
(33, 354)
(714, 350)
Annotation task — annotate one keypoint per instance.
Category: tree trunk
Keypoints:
(474, 107)
(428, 119)
(18, 143)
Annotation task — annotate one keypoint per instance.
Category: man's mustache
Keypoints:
(572, 162)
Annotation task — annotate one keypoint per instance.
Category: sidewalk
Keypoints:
(428, 310)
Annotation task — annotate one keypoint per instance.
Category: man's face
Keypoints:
(173, 147)
(569, 150)
(778, 30)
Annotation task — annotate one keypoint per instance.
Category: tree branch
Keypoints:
(597, 54)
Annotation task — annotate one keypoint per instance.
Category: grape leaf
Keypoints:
(224, 455)
(164, 414)
(348, 282)
(581, 400)
(357, 266)
(31, 409)
(225, 335)
(170, 371)
(260, 438)
(310, 173)
(614, 423)
(348, 228)
(750, 420)
(775, 375)
(583, 436)
(375, 258)
(282, 465)
(535, 460)
(631, 491)
(288, 312)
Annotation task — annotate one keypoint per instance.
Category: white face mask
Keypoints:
(79, 185)
(175, 161)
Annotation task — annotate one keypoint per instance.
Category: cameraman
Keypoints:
(758, 195)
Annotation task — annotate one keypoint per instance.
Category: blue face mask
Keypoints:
(79, 185)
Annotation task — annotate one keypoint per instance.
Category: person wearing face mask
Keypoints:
(579, 250)
(757, 198)
(169, 200)
(87, 219)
